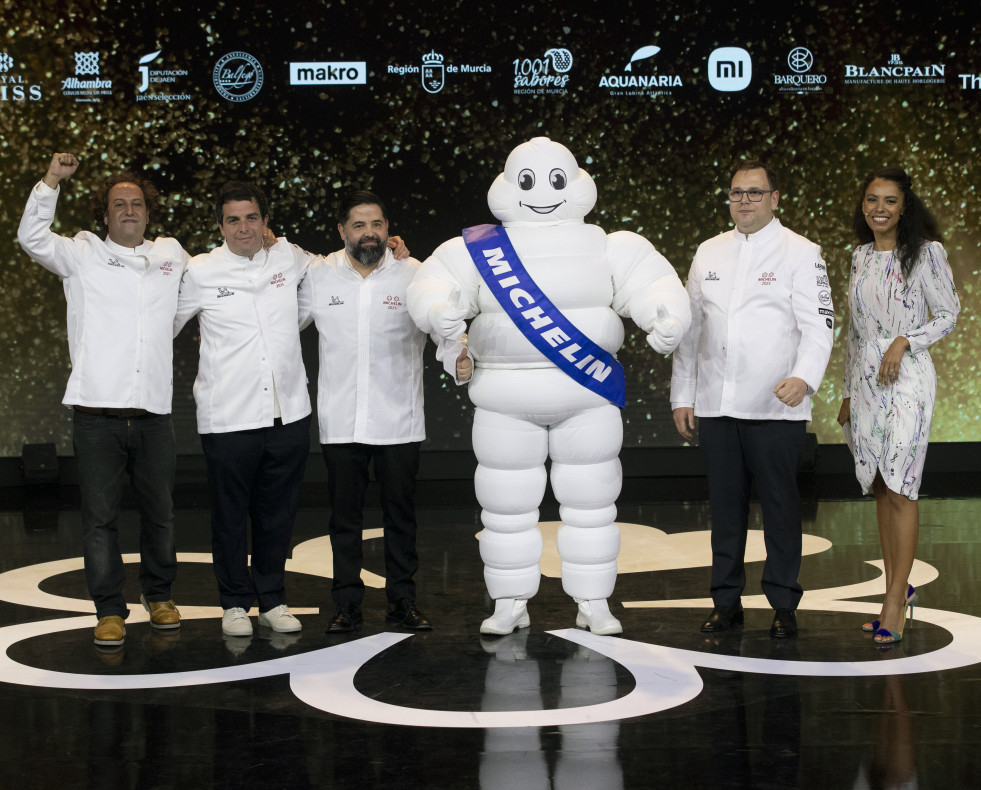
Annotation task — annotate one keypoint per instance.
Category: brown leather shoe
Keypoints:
(110, 630)
(163, 614)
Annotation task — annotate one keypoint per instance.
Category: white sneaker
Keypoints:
(509, 614)
(236, 622)
(595, 615)
(280, 620)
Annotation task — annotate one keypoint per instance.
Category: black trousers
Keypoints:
(396, 466)
(738, 453)
(254, 475)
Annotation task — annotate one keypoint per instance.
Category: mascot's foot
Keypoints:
(509, 614)
(595, 615)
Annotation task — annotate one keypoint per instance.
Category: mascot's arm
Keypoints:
(647, 289)
(443, 293)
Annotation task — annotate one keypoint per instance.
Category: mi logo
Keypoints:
(730, 69)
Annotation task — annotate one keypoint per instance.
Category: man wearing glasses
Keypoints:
(761, 334)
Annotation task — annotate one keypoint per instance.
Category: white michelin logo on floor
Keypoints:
(324, 679)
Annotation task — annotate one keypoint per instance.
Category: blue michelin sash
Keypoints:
(539, 320)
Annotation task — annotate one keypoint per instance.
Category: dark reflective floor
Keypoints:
(663, 706)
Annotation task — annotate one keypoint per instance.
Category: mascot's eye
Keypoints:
(526, 179)
(557, 179)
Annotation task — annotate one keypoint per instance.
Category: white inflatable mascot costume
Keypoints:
(545, 293)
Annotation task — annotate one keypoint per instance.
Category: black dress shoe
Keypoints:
(346, 618)
(723, 618)
(784, 624)
(405, 614)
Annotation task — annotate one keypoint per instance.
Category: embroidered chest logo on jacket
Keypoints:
(278, 280)
(712, 276)
(393, 303)
(167, 268)
(114, 262)
(767, 278)
(223, 291)
(822, 281)
(335, 300)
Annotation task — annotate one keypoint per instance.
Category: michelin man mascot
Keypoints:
(545, 292)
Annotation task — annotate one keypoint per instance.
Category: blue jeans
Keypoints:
(107, 450)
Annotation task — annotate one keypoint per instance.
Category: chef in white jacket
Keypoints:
(761, 334)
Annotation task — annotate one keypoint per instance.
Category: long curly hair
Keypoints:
(916, 225)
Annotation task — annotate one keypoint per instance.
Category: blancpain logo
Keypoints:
(800, 61)
(435, 69)
(895, 72)
(640, 84)
(548, 74)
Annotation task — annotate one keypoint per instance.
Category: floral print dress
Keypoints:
(890, 424)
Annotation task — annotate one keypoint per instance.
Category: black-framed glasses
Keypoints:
(754, 195)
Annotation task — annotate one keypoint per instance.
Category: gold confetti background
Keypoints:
(660, 162)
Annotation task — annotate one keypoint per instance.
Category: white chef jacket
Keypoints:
(761, 312)
(370, 386)
(121, 304)
(251, 369)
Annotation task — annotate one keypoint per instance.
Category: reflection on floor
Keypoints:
(547, 707)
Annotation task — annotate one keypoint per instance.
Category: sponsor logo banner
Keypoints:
(800, 61)
(13, 86)
(895, 72)
(547, 75)
(645, 80)
(151, 76)
(238, 77)
(329, 73)
(730, 69)
(434, 71)
(91, 89)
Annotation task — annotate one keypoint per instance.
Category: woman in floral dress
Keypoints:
(901, 300)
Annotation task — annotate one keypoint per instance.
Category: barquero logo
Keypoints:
(238, 77)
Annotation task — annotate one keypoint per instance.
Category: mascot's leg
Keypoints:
(586, 479)
(510, 483)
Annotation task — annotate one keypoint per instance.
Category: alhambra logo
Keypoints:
(86, 90)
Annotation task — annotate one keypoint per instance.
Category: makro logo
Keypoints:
(329, 73)
(238, 77)
(730, 69)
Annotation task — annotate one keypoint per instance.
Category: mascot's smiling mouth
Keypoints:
(541, 209)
